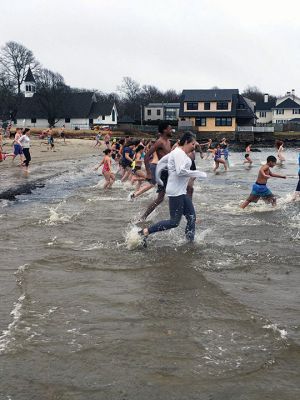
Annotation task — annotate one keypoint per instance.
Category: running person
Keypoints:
(179, 167)
(25, 142)
(218, 158)
(297, 191)
(260, 189)
(161, 147)
(248, 159)
(106, 170)
(279, 146)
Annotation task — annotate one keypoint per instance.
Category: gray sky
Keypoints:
(180, 44)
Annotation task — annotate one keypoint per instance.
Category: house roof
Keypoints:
(295, 120)
(288, 103)
(169, 105)
(29, 77)
(72, 105)
(209, 94)
(101, 108)
(265, 106)
(217, 95)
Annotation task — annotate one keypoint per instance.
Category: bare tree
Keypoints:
(51, 92)
(150, 94)
(129, 88)
(15, 60)
(9, 101)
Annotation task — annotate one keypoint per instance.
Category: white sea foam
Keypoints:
(282, 332)
(95, 199)
(7, 335)
(132, 239)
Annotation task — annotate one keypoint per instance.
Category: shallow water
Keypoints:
(84, 317)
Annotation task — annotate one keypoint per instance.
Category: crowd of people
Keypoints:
(162, 162)
(171, 167)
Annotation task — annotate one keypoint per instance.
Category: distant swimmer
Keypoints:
(106, 170)
(178, 163)
(248, 159)
(260, 189)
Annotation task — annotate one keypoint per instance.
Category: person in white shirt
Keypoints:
(25, 142)
(178, 164)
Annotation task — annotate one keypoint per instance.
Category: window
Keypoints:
(171, 113)
(280, 111)
(192, 105)
(148, 112)
(103, 117)
(296, 111)
(222, 105)
(262, 114)
(33, 120)
(67, 120)
(207, 106)
(223, 121)
(113, 115)
(200, 121)
(158, 112)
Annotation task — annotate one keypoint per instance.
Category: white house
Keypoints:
(286, 108)
(263, 110)
(76, 109)
(161, 111)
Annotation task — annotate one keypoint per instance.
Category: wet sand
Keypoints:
(15, 180)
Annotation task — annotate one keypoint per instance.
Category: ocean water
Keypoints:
(86, 313)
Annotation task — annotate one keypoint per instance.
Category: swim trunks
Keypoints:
(260, 191)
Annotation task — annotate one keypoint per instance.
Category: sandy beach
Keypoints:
(13, 176)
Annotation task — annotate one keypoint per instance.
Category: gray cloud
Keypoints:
(170, 43)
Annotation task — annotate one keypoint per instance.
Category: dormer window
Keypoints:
(222, 105)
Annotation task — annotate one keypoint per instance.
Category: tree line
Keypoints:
(130, 96)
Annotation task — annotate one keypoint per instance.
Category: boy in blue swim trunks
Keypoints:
(260, 189)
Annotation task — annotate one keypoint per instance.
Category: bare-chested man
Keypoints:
(161, 147)
(260, 189)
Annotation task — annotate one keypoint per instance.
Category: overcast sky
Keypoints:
(180, 44)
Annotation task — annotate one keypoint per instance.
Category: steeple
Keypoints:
(29, 84)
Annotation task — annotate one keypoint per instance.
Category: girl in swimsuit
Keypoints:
(106, 170)
(218, 158)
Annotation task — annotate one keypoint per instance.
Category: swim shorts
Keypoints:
(17, 150)
(261, 191)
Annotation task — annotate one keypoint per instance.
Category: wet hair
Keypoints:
(162, 126)
(130, 143)
(187, 137)
(107, 151)
(25, 131)
(139, 148)
(278, 143)
(271, 159)
(122, 141)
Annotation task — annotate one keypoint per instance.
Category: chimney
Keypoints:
(293, 93)
(288, 93)
(266, 98)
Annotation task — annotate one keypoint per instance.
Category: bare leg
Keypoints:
(245, 204)
(153, 205)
